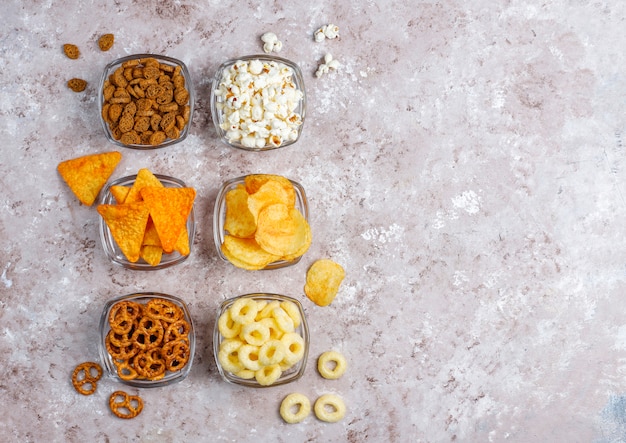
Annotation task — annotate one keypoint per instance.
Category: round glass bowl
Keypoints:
(258, 102)
(277, 311)
(219, 217)
(134, 79)
(148, 315)
(113, 251)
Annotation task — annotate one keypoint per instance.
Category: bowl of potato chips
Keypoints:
(146, 101)
(147, 339)
(261, 340)
(261, 222)
(147, 221)
(258, 102)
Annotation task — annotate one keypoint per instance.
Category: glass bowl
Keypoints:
(276, 120)
(168, 66)
(219, 216)
(143, 298)
(295, 371)
(113, 251)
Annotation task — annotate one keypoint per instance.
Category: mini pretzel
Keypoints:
(122, 316)
(176, 354)
(83, 378)
(124, 405)
(163, 310)
(176, 330)
(149, 333)
(150, 364)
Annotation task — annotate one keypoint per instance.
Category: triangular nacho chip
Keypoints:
(127, 223)
(144, 178)
(152, 254)
(151, 236)
(86, 175)
(169, 209)
(182, 244)
(119, 193)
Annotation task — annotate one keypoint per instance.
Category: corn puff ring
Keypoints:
(227, 327)
(243, 310)
(228, 355)
(164, 310)
(284, 322)
(271, 352)
(176, 330)
(84, 379)
(255, 333)
(294, 348)
(149, 333)
(249, 357)
(275, 332)
(266, 312)
(337, 363)
(267, 375)
(330, 408)
(246, 374)
(301, 404)
(124, 405)
(292, 311)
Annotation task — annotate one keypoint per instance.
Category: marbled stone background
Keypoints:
(466, 165)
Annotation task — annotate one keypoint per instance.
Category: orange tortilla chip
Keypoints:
(152, 254)
(86, 175)
(119, 193)
(127, 223)
(151, 236)
(144, 178)
(169, 209)
(182, 244)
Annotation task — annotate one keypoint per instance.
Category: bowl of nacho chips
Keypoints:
(146, 101)
(261, 222)
(147, 339)
(147, 221)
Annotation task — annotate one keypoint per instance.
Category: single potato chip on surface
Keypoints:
(127, 223)
(238, 220)
(246, 253)
(169, 209)
(323, 280)
(87, 175)
(281, 230)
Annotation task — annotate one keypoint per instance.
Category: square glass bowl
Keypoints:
(143, 298)
(166, 64)
(113, 251)
(269, 117)
(219, 216)
(270, 301)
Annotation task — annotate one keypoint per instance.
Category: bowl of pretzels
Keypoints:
(147, 339)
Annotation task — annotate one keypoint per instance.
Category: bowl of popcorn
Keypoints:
(261, 340)
(147, 221)
(146, 101)
(260, 222)
(258, 102)
(147, 339)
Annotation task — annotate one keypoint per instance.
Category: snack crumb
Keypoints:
(106, 42)
(71, 51)
(77, 84)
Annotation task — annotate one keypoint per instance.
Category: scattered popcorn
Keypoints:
(329, 63)
(329, 31)
(271, 43)
(259, 100)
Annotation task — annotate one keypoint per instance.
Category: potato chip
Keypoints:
(271, 192)
(246, 253)
(323, 280)
(119, 192)
(86, 175)
(169, 209)
(127, 223)
(281, 230)
(238, 220)
(144, 178)
(254, 182)
(152, 254)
